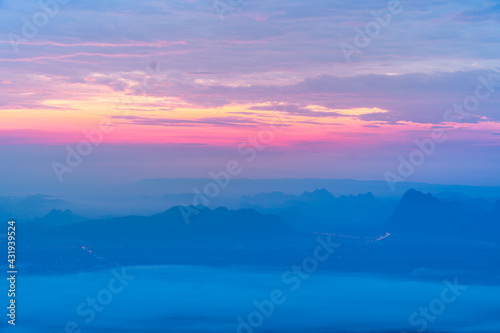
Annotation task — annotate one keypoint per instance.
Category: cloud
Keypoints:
(489, 11)
(216, 121)
(420, 98)
(202, 299)
(296, 110)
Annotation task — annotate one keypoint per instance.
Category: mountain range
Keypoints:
(278, 230)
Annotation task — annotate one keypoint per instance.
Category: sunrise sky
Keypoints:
(183, 78)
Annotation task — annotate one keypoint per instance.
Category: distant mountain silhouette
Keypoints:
(474, 204)
(220, 223)
(266, 200)
(423, 232)
(242, 186)
(419, 213)
(320, 210)
(317, 196)
(58, 217)
(178, 199)
(29, 207)
(212, 236)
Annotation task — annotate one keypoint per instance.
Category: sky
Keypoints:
(329, 89)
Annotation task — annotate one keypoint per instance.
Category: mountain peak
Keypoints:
(414, 196)
(58, 213)
(57, 217)
(318, 194)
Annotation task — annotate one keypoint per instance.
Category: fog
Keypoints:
(200, 299)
